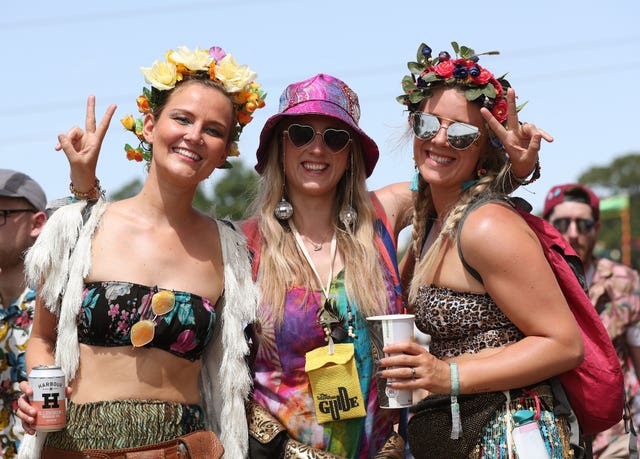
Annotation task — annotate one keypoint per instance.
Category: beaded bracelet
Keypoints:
(535, 175)
(93, 194)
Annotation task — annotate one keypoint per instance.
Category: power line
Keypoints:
(31, 22)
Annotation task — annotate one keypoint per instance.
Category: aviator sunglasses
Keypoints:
(584, 225)
(459, 135)
(303, 134)
(143, 331)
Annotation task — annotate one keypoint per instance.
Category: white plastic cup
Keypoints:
(385, 330)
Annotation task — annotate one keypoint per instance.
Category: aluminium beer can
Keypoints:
(49, 397)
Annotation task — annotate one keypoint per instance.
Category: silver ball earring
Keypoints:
(348, 215)
(283, 210)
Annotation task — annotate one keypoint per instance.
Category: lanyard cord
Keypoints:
(305, 252)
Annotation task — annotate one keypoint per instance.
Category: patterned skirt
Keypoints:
(125, 424)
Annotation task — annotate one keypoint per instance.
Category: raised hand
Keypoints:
(520, 141)
(82, 148)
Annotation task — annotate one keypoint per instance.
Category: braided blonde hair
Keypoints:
(497, 180)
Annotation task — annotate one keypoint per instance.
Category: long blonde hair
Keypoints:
(282, 266)
(497, 180)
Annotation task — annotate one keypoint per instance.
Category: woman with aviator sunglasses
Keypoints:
(481, 286)
(319, 235)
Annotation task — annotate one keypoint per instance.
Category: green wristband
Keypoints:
(455, 379)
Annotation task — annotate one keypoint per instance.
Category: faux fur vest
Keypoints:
(61, 257)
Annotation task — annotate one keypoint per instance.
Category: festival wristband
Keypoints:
(455, 379)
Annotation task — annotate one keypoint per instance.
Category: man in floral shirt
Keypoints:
(614, 290)
(22, 216)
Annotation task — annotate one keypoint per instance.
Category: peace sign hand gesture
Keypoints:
(520, 141)
(83, 147)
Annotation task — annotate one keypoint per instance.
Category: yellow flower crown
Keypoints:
(181, 63)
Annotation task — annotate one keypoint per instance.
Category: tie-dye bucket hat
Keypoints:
(319, 95)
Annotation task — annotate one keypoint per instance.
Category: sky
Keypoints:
(576, 64)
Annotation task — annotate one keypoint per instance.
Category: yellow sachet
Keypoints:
(334, 383)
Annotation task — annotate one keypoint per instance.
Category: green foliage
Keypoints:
(201, 201)
(127, 190)
(622, 176)
(229, 198)
(235, 191)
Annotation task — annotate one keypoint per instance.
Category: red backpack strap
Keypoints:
(251, 230)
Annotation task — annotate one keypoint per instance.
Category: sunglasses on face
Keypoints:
(459, 135)
(303, 134)
(584, 225)
(143, 331)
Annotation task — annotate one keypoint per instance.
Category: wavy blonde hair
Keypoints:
(497, 181)
(281, 264)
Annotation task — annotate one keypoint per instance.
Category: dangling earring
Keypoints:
(481, 171)
(348, 215)
(414, 181)
(284, 209)
(480, 168)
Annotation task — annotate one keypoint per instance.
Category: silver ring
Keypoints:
(413, 373)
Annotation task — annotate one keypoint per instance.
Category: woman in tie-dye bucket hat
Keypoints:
(318, 237)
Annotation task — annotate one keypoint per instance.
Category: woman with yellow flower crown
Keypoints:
(143, 302)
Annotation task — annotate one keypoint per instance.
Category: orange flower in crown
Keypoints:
(478, 83)
(214, 64)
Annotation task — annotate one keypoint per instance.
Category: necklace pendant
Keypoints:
(316, 246)
(338, 333)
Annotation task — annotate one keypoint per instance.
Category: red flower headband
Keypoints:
(478, 83)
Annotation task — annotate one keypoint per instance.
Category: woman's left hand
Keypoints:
(520, 141)
(411, 366)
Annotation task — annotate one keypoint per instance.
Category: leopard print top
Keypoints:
(460, 322)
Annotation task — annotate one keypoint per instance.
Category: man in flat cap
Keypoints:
(22, 217)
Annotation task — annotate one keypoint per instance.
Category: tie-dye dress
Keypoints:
(281, 383)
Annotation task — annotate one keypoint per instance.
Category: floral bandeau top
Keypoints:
(111, 308)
